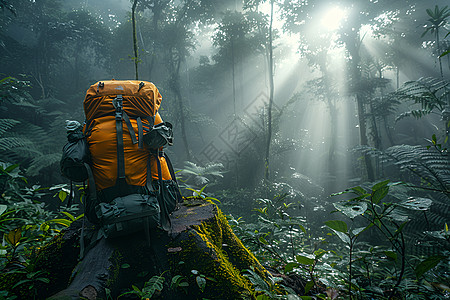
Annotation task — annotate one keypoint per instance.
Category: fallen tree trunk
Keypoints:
(200, 258)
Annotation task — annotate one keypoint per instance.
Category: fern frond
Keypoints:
(8, 143)
(43, 162)
(6, 124)
(430, 93)
(430, 165)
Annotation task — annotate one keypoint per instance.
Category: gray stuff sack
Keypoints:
(128, 214)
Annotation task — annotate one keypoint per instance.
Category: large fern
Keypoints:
(430, 93)
(31, 131)
(426, 173)
(201, 175)
(429, 164)
(6, 124)
(10, 142)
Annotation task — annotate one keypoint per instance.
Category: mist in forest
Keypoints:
(271, 102)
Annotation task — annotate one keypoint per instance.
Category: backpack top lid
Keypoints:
(143, 98)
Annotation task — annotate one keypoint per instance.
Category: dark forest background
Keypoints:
(320, 127)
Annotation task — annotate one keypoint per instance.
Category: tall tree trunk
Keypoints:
(363, 135)
(156, 9)
(174, 65)
(397, 75)
(353, 43)
(439, 52)
(135, 46)
(388, 131)
(182, 119)
(332, 149)
(271, 93)
(233, 76)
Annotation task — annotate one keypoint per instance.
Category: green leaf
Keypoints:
(306, 298)
(304, 260)
(337, 225)
(177, 280)
(125, 266)
(358, 190)
(62, 195)
(201, 282)
(3, 208)
(45, 280)
(263, 240)
(63, 222)
(136, 288)
(379, 193)
(380, 185)
(21, 282)
(302, 228)
(400, 229)
(344, 237)
(319, 253)
(308, 286)
(44, 227)
(13, 237)
(444, 54)
(351, 210)
(427, 265)
(10, 168)
(357, 231)
(71, 217)
(391, 254)
(156, 283)
(290, 266)
(417, 203)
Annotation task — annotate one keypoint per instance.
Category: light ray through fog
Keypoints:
(332, 18)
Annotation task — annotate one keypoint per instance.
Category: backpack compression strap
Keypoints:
(118, 104)
(166, 224)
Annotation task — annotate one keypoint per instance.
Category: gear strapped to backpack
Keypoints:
(132, 184)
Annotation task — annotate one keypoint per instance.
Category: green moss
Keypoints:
(116, 263)
(214, 250)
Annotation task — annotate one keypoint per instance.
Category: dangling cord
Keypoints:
(69, 201)
(83, 199)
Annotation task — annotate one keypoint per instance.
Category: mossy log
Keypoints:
(201, 248)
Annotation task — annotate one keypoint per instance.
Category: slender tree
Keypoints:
(135, 45)
(438, 19)
(268, 48)
(271, 93)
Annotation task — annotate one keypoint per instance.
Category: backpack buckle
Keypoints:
(118, 105)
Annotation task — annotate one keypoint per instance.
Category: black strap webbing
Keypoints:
(166, 223)
(149, 174)
(171, 171)
(92, 190)
(151, 121)
(140, 133)
(69, 201)
(119, 132)
(93, 198)
(174, 178)
(126, 118)
(131, 217)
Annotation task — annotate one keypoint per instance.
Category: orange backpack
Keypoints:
(118, 115)
(141, 101)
